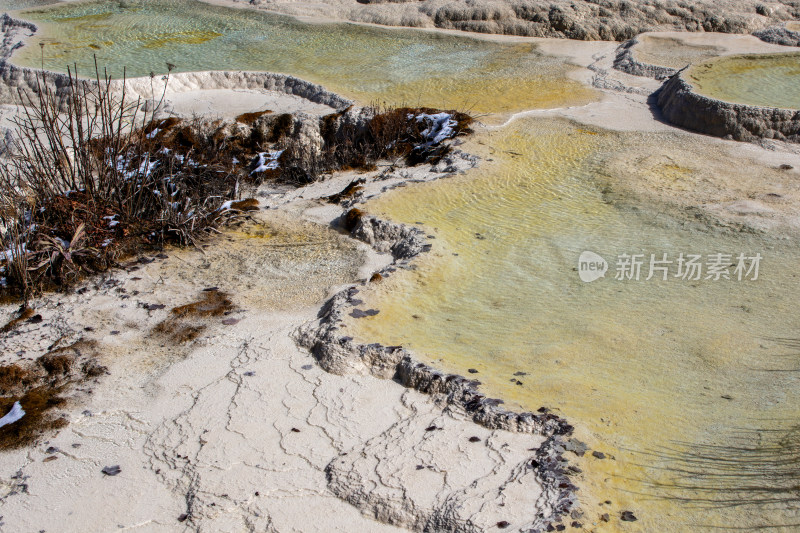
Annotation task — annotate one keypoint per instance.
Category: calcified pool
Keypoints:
(770, 80)
(369, 64)
(689, 387)
(673, 379)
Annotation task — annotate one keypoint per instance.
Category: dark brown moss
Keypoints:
(281, 127)
(348, 192)
(352, 218)
(41, 388)
(38, 404)
(178, 332)
(24, 313)
(250, 204)
(249, 118)
(14, 378)
(179, 327)
(56, 364)
(213, 303)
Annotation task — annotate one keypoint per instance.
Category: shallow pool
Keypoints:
(650, 371)
(367, 63)
(771, 80)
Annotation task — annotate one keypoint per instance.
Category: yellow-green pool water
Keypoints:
(770, 80)
(650, 371)
(367, 63)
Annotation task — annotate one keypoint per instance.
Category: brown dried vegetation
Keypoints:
(41, 387)
(182, 325)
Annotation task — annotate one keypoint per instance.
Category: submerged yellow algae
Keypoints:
(183, 37)
(392, 66)
(648, 371)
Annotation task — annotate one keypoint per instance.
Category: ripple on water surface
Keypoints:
(649, 371)
(770, 80)
(367, 63)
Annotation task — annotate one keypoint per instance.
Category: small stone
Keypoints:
(51, 450)
(604, 517)
(786, 167)
(474, 439)
(576, 524)
(727, 397)
(431, 428)
(182, 517)
(50, 458)
(598, 455)
(307, 367)
(472, 371)
(627, 516)
(503, 524)
(111, 470)
(295, 430)
(520, 373)
(230, 321)
(249, 373)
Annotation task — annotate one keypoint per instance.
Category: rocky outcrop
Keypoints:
(610, 20)
(626, 62)
(682, 106)
(779, 35)
(342, 355)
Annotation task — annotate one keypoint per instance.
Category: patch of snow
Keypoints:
(13, 415)
(441, 126)
(267, 161)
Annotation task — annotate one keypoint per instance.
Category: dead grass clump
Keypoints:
(93, 177)
(250, 204)
(249, 118)
(352, 218)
